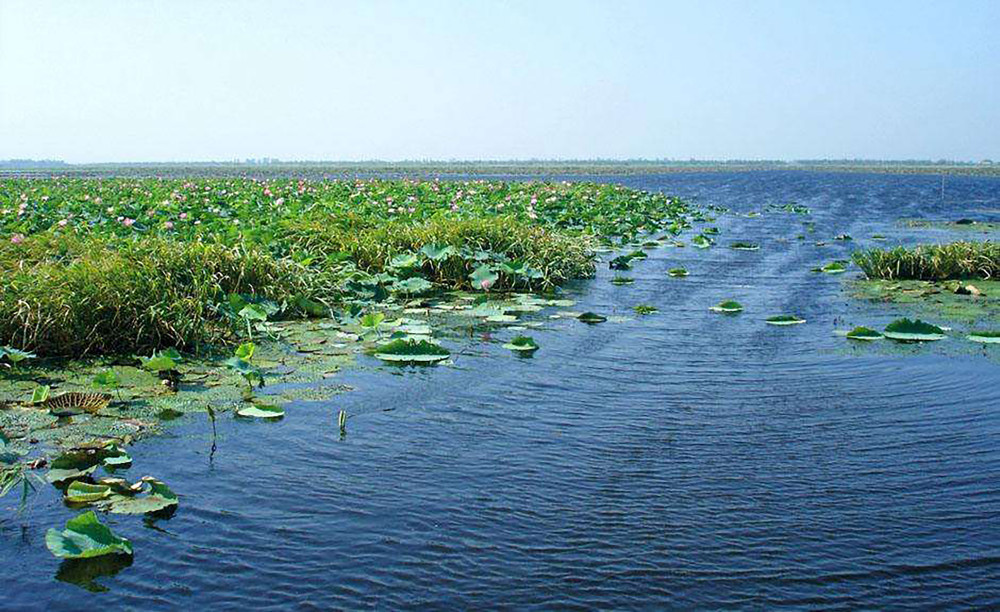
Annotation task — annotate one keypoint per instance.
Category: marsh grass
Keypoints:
(957, 260)
(372, 245)
(74, 296)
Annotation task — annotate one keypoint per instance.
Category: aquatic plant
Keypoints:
(677, 272)
(591, 318)
(85, 537)
(404, 350)
(645, 309)
(727, 306)
(744, 246)
(784, 320)
(10, 356)
(240, 362)
(260, 411)
(70, 404)
(864, 334)
(957, 260)
(905, 330)
(522, 344)
(984, 336)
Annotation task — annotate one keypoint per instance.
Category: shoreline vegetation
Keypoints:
(126, 303)
(124, 266)
(277, 168)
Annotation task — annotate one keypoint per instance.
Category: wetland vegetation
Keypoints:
(127, 303)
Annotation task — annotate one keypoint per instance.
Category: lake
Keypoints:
(684, 459)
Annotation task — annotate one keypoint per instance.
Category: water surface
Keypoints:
(680, 460)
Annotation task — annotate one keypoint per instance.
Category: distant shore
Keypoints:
(488, 168)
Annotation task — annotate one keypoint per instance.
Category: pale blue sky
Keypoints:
(349, 80)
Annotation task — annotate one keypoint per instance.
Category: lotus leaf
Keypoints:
(411, 351)
(864, 334)
(784, 320)
(85, 537)
(522, 344)
(260, 411)
(727, 306)
(985, 337)
(905, 330)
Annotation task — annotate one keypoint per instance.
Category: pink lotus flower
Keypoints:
(63, 222)
(485, 284)
(17, 238)
(127, 222)
(168, 225)
(184, 216)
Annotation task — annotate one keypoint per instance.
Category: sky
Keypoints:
(177, 80)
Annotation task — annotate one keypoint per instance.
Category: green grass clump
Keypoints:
(127, 265)
(73, 296)
(372, 246)
(932, 262)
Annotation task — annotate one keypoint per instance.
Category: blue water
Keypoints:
(681, 460)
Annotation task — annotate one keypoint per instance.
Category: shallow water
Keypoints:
(684, 459)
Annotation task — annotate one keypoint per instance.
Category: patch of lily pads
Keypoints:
(781, 320)
(905, 330)
(727, 307)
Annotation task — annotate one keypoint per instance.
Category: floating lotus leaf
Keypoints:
(85, 537)
(701, 241)
(864, 334)
(501, 318)
(744, 246)
(677, 272)
(62, 475)
(645, 309)
(153, 497)
(985, 337)
(524, 344)
(411, 351)
(906, 330)
(784, 320)
(844, 237)
(591, 318)
(260, 411)
(622, 280)
(834, 267)
(622, 262)
(728, 306)
(69, 404)
(80, 492)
